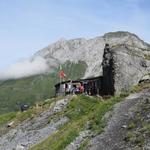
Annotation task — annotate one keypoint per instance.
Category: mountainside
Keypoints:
(81, 122)
(120, 120)
(89, 50)
(80, 58)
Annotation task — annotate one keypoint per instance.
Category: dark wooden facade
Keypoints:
(92, 86)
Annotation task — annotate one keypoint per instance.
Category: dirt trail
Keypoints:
(113, 136)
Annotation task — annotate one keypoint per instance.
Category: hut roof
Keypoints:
(79, 80)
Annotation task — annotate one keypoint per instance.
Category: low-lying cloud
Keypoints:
(25, 68)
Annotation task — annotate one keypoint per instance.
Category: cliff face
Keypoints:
(130, 66)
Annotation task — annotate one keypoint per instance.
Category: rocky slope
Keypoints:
(82, 122)
(32, 131)
(124, 130)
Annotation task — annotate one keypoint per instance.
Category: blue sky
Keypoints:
(29, 25)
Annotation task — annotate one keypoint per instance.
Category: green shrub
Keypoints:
(7, 117)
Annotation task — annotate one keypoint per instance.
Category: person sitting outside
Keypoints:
(81, 88)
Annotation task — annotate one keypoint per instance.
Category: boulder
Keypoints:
(123, 67)
(10, 124)
(20, 147)
(145, 79)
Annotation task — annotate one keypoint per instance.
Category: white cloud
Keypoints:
(25, 68)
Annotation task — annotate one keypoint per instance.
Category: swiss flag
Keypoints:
(62, 74)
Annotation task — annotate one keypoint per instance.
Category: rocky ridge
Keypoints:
(90, 50)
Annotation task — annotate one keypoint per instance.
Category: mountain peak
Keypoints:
(118, 34)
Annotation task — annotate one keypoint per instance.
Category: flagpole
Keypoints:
(60, 77)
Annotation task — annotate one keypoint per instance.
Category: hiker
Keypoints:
(77, 90)
(24, 107)
(70, 87)
(73, 89)
(81, 88)
(67, 89)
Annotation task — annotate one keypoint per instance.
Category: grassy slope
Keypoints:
(85, 113)
(35, 88)
(19, 117)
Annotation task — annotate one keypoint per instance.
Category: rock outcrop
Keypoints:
(130, 66)
(123, 66)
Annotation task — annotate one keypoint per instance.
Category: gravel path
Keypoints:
(114, 134)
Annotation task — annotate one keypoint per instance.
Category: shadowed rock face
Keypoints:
(108, 72)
